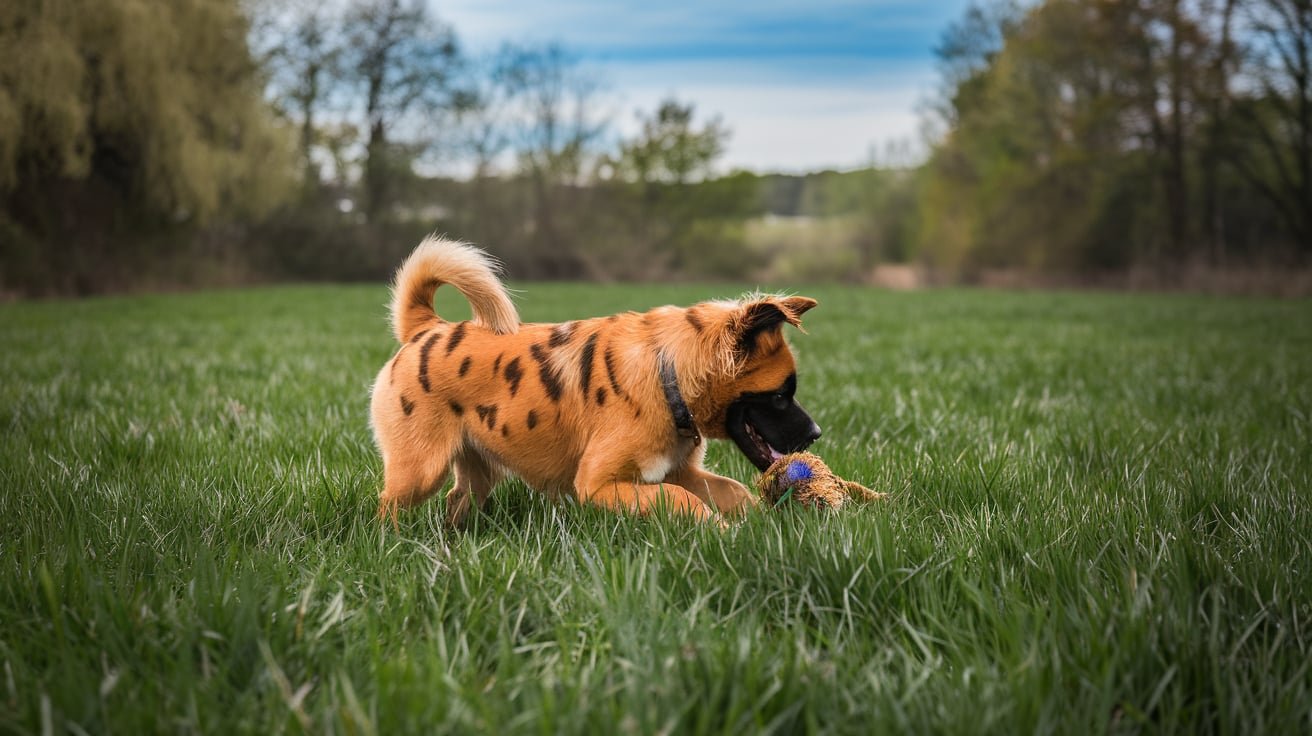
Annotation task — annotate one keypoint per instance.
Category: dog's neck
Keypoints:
(683, 421)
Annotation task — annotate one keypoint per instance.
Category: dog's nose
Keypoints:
(814, 434)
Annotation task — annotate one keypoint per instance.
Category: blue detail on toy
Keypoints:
(797, 471)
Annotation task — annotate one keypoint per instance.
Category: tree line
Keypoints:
(165, 143)
(155, 143)
(1100, 135)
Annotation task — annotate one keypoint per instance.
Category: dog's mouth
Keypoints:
(763, 441)
(756, 448)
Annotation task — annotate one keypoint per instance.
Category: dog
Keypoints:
(614, 411)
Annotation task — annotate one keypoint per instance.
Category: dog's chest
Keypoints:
(656, 468)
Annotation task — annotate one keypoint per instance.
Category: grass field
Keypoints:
(1100, 522)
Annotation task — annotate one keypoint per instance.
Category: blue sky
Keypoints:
(802, 85)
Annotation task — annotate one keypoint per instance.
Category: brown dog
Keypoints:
(612, 410)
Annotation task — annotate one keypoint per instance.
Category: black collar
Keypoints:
(682, 417)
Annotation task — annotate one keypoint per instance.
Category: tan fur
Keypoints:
(575, 408)
(438, 261)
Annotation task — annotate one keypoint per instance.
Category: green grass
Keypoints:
(1099, 523)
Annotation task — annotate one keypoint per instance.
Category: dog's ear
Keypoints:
(798, 305)
(769, 314)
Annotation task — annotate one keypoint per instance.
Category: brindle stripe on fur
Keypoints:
(464, 365)
(407, 405)
(418, 335)
(513, 375)
(532, 419)
(423, 361)
(585, 363)
(601, 396)
(550, 379)
(609, 358)
(561, 334)
(496, 365)
(505, 430)
(455, 407)
(457, 335)
(487, 414)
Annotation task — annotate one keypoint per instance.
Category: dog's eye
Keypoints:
(779, 402)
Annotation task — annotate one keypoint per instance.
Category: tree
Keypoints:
(1216, 81)
(484, 211)
(1032, 160)
(669, 150)
(1278, 118)
(663, 163)
(966, 50)
(403, 60)
(556, 125)
(104, 132)
(1097, 135)
(302, 54)
(485, 114)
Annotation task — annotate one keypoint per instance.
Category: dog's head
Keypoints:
(753, 403)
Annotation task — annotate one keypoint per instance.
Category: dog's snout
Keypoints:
(805, 430)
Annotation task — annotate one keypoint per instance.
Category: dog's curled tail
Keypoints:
(438, 261)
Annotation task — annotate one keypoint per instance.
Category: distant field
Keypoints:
(1100, 522)
(819, 248)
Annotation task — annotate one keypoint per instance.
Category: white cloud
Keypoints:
(791, 127)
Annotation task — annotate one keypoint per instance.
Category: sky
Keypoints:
(802, 86)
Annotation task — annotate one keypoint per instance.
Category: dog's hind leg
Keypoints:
(475, 479)
(411, 476)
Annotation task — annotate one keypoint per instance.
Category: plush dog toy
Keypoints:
(804, 478)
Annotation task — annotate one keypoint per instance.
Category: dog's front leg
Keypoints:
(725, 495)
(621, 489)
